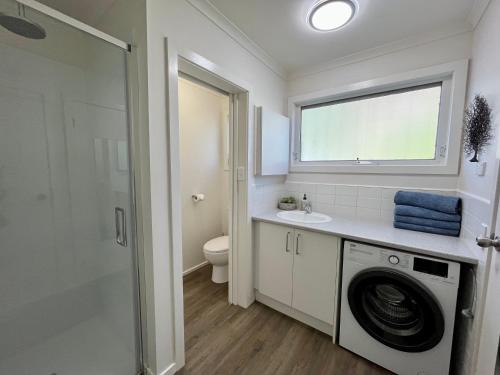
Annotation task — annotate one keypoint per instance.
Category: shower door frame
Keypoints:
(48, 11)
(130, 59)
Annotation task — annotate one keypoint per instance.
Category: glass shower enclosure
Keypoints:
(68, 269)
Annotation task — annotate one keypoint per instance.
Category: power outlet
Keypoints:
(485, 230)
(481, 168)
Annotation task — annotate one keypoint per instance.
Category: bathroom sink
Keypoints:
(302, 217)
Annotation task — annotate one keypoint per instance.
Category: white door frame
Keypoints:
(240, 257)
(486, 345)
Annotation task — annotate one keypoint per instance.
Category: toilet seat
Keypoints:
(217, 245)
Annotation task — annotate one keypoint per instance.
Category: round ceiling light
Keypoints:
(331, 14)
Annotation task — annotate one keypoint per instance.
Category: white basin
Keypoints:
(302, 217)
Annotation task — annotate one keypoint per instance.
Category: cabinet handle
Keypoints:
(297, 244)
(286, 246)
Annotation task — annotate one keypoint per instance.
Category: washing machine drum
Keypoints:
(396, 309)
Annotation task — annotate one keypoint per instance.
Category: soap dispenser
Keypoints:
(303, 202)
(305, 205)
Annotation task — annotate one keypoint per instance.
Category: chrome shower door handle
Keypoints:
(121, 226)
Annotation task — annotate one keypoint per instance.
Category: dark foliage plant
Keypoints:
(477, 127)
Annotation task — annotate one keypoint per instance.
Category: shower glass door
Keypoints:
(68, 274)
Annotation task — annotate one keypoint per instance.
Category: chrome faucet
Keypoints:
(306, 205)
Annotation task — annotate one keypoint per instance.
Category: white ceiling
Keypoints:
(87, 11)
(279, 27)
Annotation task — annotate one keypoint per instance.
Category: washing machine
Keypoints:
(398, 308)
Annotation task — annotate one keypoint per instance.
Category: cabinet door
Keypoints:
(275, 261)
(273, 143)
(315, 273)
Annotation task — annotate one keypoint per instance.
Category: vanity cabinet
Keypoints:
(275, 261)
(299, 269)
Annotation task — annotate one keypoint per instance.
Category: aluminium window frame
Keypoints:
(453, 77)
(440, 135)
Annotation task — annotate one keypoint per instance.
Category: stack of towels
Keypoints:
(424, 212)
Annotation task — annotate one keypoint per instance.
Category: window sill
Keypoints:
(375, 169)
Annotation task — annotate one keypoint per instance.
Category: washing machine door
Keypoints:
(396, 309)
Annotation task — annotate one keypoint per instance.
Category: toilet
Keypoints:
(217, 253)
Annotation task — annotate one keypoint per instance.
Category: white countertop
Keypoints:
(384, 234)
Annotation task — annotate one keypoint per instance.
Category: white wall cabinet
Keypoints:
(272, 143)
(299, 269)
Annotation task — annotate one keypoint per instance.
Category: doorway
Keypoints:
(205, 160)
(182, 63)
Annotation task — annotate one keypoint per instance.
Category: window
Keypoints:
(395, 125)
(408, 123)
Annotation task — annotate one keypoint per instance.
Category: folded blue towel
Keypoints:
(421, 228)
(442, 203)
(453, 225)
(425, 213)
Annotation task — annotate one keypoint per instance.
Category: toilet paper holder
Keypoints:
(198, 197)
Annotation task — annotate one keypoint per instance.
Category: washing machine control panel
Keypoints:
(393, 259)
(400, 260)
(419, 266)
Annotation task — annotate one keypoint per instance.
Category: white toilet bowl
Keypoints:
(217, 253)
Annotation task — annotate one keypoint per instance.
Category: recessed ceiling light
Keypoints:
(331, 14)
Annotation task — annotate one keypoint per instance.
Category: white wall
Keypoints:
(186, 28)
(452, 48)
(201, 120)
(477, 191)
(484, 79)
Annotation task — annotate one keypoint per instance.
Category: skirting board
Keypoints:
(192, 269)
(295, 314)
(170, 370)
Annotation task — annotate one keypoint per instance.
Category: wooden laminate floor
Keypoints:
(226, 339)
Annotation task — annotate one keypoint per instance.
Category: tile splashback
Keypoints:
(475, 212)
(372, 202)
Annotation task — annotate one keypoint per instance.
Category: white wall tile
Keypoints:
(292, 186)
(448, 193)
(368, 213)
(344, 211)
(351, 200)
(325, 189)
(386, 214)
(325, 198)
(308, 188)
(345, 200)
(369, 203)
(387, 204)
(388, 193)
(369, 192)
(346, 190)
(328, 209)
